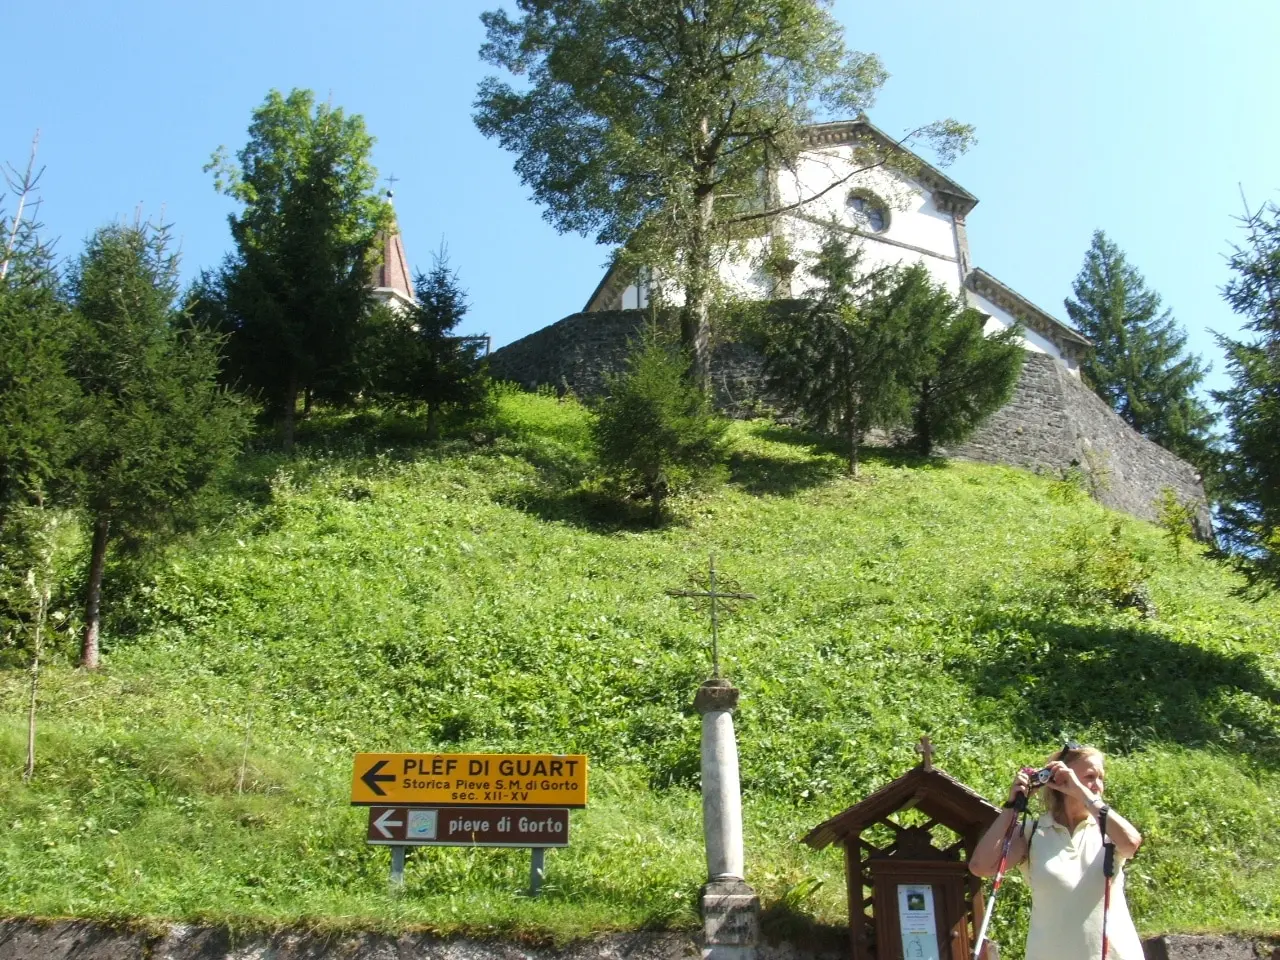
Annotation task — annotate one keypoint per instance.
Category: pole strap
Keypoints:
(1108, 871)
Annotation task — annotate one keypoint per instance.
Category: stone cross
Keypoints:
(925, 749)
(725, 598)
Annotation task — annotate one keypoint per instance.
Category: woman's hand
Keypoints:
(1021, 786)
(1065, 781)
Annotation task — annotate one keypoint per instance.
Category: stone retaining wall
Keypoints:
(1052, 423)
(87, 940)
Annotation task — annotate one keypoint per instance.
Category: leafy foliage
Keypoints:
(292, 295)
(655, 433)
(157, 425)
(650, 124)
(414, 359)
(1250, 512)
(1139, 364)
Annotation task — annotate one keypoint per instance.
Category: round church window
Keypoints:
(869, 212)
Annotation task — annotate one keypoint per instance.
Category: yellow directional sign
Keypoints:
(463, 779)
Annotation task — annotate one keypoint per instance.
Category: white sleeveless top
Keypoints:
(1065, 874)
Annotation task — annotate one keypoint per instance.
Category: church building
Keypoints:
(899, 212)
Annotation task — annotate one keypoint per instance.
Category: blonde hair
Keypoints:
(1054, 802)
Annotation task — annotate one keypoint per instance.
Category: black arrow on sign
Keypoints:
(371, 778)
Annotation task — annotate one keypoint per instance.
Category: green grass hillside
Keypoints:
(376, 594)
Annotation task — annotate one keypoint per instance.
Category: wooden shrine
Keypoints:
(923, 902)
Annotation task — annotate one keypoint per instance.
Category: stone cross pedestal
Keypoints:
(730, 908)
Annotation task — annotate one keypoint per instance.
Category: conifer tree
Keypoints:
(850, 360)
(417, 360)
(1139, 364)
(297, 286)
(963, 375)
(656, 433)
(39, 430)
(1249, 514)
(38, 397)
(157, 424)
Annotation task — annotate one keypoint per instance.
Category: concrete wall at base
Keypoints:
(1052, 423)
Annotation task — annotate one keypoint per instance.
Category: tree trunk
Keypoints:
(93, 600)
(924, 433)
(852, 434)
(308, 399)
(433, 422)
(289, 420)
(655, 506)
(695, 320)
(42, 611)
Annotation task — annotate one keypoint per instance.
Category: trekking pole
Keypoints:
(1019, 806)
(1108, 871)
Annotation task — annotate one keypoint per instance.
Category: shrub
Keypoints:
(1105, 567)
(1177, 519)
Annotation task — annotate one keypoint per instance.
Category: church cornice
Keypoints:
(1070, 342)
(948, 196)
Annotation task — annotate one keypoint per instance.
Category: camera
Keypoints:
(1039, 777)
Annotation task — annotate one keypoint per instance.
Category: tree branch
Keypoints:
(761, 214)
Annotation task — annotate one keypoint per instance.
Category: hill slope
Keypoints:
(373, 595)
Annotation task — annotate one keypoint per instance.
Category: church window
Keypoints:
(868, 211)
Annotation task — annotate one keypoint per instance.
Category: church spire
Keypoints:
(391, 277)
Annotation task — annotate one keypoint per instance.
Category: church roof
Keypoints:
(949, 195)
(391, 277)
(1070, 341)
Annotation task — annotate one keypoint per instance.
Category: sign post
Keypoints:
(469, 800)
(397, 867)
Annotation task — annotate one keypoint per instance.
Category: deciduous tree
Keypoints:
(654, 124)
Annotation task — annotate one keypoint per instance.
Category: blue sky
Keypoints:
(1142, 118)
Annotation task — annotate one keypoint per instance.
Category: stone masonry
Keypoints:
(1053, 422)
(89, 940)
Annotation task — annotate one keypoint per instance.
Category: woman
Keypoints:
(1064, 865)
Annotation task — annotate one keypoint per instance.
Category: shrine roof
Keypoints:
(933, 792)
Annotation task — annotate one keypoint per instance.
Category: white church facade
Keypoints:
(898, 214)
